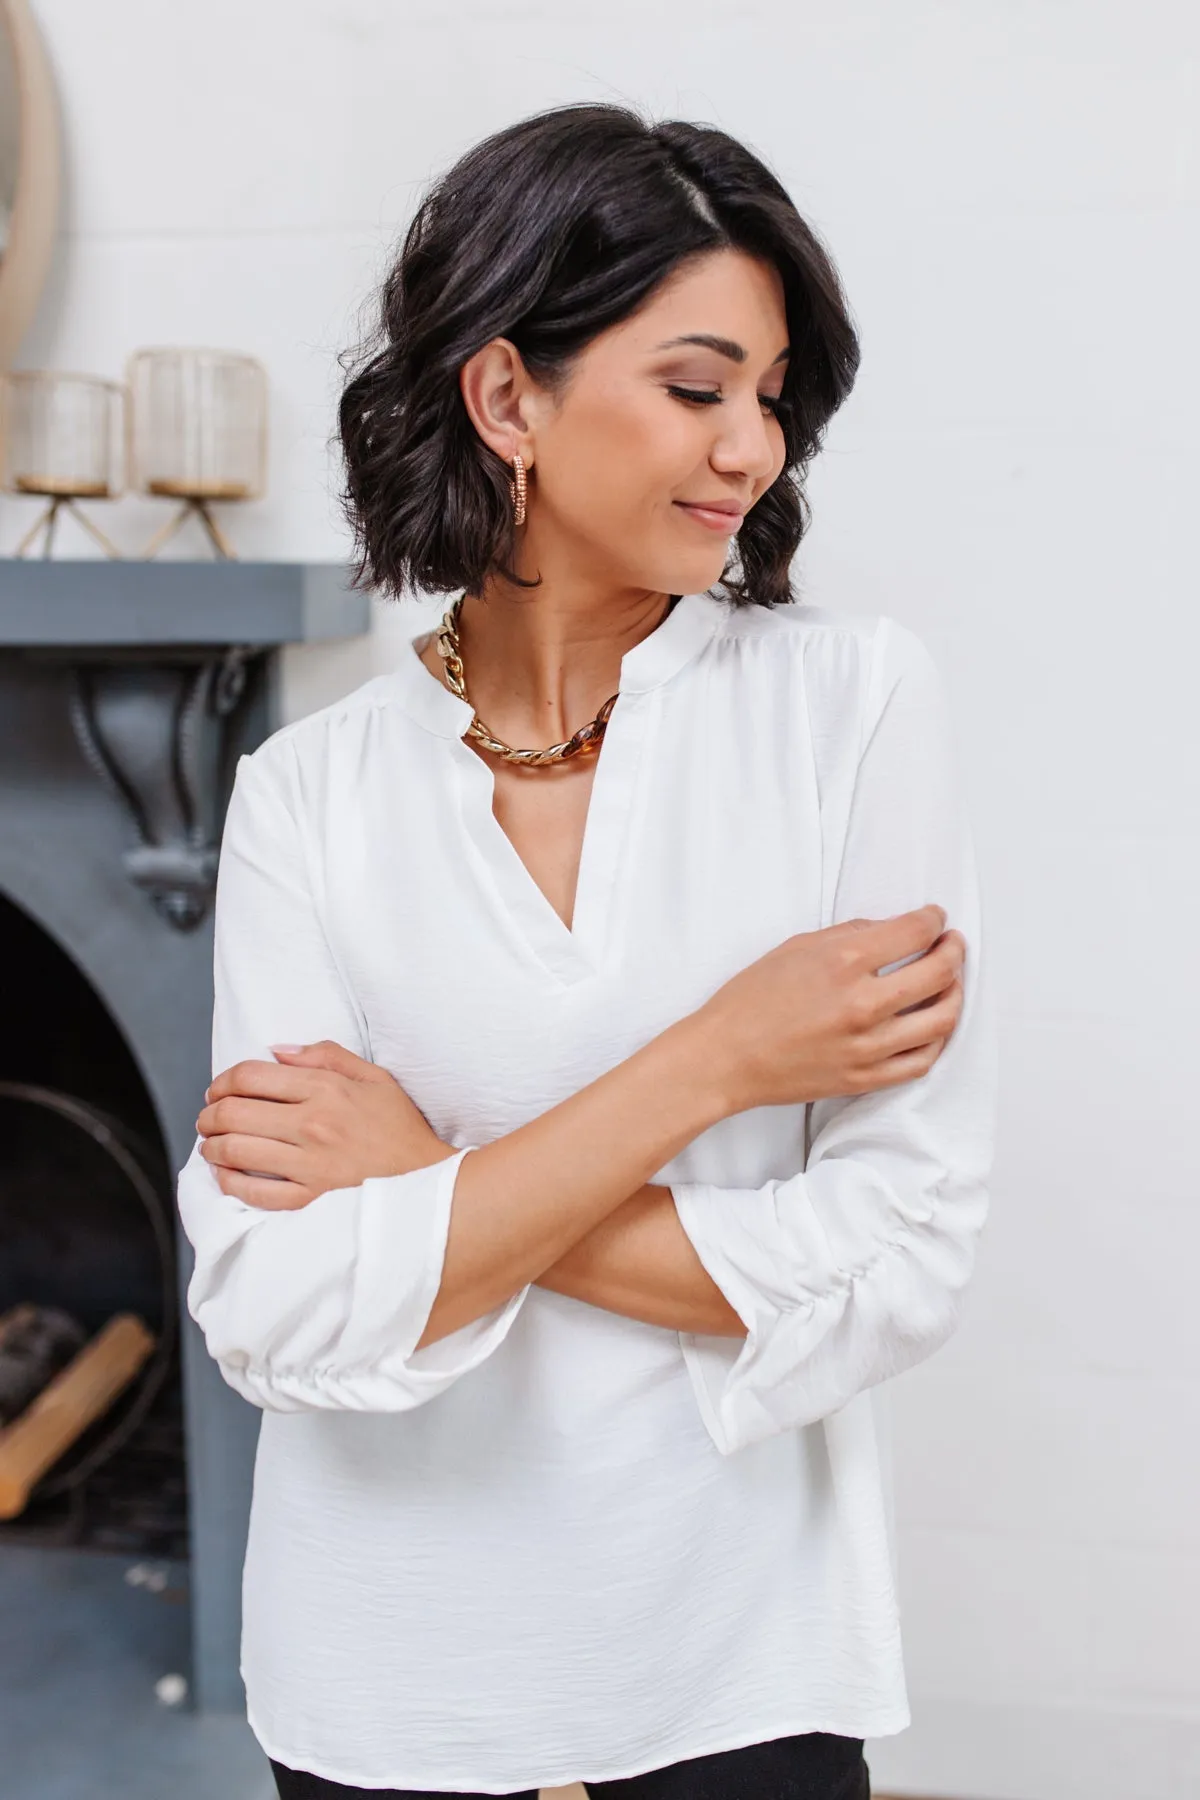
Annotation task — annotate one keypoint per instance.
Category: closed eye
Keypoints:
(711, 397)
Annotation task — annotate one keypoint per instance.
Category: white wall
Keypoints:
(1012, 191)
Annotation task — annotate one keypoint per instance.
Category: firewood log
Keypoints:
(72, 1401)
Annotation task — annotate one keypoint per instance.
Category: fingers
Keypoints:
(292, 1076)
(281, 1120)
(909, 1031)
(910, 1065)
(877, 942)
(266, 1080)
(259, 1156)
(268, 1196)
(329, 1054)
(917, 982)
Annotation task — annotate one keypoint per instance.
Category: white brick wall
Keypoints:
(1012, 191)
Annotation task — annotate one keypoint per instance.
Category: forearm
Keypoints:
(521, 1203)
(640, 1262)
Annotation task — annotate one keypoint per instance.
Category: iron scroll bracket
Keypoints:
(156, 729)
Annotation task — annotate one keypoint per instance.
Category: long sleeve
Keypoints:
(322, 1307)
(852, 1269)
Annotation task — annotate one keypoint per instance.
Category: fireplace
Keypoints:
(86, 1228)
(127, 692)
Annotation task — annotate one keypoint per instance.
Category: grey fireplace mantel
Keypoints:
(160, 658)
(127, 692)
(139, 604)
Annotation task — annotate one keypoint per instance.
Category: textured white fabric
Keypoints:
(558, 1544)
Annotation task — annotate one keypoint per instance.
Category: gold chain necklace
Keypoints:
(587, 738)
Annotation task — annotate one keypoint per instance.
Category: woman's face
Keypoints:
(664, 435)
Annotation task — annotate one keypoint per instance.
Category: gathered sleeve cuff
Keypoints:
(321, 1307)
(822, 1326)
(852, 1269)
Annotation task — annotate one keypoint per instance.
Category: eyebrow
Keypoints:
(722, 345)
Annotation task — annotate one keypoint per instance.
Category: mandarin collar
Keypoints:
(680, 636)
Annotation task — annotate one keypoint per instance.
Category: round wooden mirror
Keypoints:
(29, 164)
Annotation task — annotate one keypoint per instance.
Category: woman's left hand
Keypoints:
(279, 1134)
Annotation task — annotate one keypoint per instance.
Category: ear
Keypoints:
(497, 392)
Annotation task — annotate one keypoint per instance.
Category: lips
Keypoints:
(716, 515)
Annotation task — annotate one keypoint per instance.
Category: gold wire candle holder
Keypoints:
(198, 435)
(63, 442)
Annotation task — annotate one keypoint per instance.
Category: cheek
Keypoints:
(631, 453)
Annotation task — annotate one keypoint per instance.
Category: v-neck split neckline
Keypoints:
(569, 953)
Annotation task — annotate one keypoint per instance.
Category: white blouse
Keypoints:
(560, 1544)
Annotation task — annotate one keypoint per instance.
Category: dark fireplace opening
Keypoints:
(86, 1228)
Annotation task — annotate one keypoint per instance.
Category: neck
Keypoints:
(539, 663)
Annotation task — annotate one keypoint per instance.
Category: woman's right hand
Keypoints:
(814, 1018)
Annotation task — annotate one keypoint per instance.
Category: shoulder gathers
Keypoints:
(822, 633)
(316, 726)
(845, 664)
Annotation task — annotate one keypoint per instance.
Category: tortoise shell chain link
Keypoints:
(587, 738)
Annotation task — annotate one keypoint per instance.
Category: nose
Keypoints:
(747, 442)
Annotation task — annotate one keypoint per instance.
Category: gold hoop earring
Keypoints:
(518, 489)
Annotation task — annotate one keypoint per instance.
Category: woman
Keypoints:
(633, 1119)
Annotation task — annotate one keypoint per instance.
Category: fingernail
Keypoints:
(208, 1094)
(285, 1047)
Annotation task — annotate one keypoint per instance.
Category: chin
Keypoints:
(688, 574)
(698, 580)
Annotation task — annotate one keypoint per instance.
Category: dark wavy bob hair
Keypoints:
(547, 234)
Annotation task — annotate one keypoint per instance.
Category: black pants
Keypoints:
(813, 1766)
